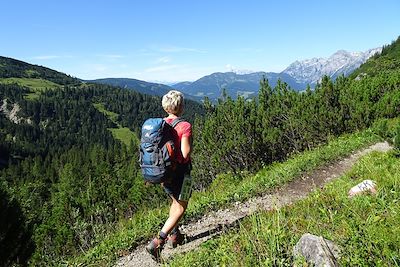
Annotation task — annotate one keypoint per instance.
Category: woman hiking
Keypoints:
(179, 186)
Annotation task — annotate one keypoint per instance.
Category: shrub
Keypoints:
(396, 140)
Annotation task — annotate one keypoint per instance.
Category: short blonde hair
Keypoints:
(172, 102)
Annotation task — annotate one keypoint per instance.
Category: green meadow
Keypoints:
(124, 134)
(36, 86)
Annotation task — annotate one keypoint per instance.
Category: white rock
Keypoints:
(364, 186)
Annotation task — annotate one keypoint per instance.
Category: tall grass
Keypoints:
(367, 227)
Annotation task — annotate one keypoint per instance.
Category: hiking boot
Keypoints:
(176, 238)
(155, 247)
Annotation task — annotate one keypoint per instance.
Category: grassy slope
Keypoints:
(124, 134)
(367, 228)
(225, 190)
(10, 68)
(35, 85)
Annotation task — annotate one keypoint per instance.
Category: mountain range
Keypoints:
(140, 86)
(297, 75)
(235, 84)
(310, 71)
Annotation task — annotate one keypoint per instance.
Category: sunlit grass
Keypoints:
(111, 115)
(224, 191)
(32, 96)
(31, 73)
(366, 228)
(123, 134)
(36, 86)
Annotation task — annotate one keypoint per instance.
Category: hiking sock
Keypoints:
(163, 236)
(174, 230)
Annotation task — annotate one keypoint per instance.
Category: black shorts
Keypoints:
(174, 185)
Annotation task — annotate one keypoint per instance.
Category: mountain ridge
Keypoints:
(130, 83)
(140, 86)
(234, 84)
(14, 68)
(310, 71)
(297, 75)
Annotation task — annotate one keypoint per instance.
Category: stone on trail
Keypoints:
(364, 186)
(317, 250)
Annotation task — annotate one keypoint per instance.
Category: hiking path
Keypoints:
(216, 222)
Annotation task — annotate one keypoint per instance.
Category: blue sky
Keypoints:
(177, 40)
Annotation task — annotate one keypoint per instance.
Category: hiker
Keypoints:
(178, 190)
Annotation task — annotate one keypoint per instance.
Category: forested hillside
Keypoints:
(68, 161)
(385, 62)
(67, 180)
(12, 68)
(142, 86)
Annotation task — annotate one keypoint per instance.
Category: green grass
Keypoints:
(31, 73)
(367, 227)
(123, 134)
(36, 86)
(229, 189)
(32, 96)
(222, 192)
(386, 128)
(111, 115)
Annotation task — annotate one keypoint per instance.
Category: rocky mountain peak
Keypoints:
(341, 62)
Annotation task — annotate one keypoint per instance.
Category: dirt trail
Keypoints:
(215, 223)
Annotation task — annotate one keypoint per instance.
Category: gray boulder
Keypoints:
(317, 250)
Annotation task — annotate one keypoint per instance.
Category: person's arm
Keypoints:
(186, 147)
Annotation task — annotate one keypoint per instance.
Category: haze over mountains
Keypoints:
(297, 75)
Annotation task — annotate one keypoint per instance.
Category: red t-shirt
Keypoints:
(183, 129)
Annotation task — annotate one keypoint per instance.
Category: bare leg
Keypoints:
(176, 212)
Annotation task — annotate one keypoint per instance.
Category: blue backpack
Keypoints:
(157, 149)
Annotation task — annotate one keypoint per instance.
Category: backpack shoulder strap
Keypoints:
(176, 121)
